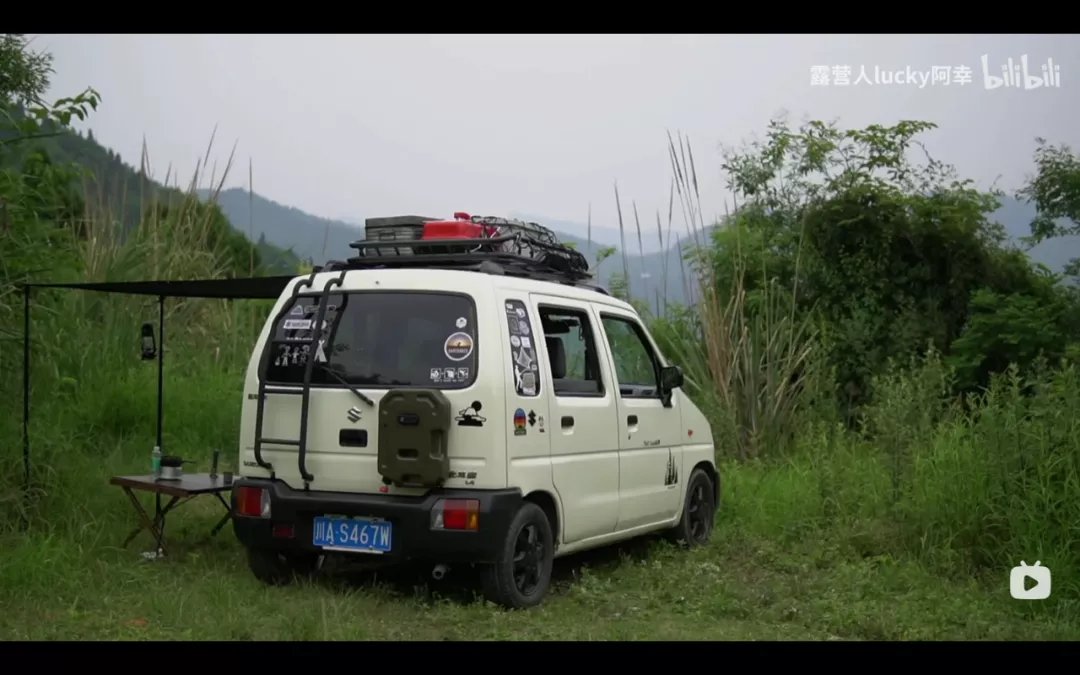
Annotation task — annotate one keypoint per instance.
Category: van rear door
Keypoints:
(372, 342)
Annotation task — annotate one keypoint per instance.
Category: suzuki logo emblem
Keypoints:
(354, 414)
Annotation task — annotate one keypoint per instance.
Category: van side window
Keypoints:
(523, 351)
(636, 366)
(571, 348)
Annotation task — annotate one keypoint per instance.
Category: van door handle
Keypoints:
(631, 420)
(567, 422)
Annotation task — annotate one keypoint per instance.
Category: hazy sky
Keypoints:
(363, 125)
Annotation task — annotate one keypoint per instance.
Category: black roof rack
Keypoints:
(527, 250)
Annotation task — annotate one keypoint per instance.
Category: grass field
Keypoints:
(739, 588)
(768, 575)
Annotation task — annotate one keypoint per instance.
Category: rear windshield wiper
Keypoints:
(356, 392)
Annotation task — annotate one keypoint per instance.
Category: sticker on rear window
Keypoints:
(297, 324)
(458, 346)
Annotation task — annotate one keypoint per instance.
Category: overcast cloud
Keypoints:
(362, 125)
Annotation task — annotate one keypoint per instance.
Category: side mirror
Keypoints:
(149, 347)
(671, 378)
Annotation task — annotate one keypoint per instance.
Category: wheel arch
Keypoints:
(714, 475)
(550, 506)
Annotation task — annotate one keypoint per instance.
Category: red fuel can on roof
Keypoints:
(461, 227)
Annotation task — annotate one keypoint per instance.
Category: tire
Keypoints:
(517, 584)
(698, 513)
(277, 568)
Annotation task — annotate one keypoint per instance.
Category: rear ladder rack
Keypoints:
(305, 389)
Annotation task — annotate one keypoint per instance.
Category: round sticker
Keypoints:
(458, 346)
(514, 340)
(461, 322)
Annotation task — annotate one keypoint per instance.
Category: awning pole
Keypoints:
(160, 365)
(26, 383)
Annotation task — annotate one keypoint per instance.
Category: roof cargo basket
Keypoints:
(396, 229)
(485, 244)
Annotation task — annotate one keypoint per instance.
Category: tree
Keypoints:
(37, 198)
(1055, 190)
(24, 75)
(883, 246)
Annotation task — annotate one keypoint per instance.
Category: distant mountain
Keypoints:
(304, 234)
(310, 237)
(647, 274)
(121, 192)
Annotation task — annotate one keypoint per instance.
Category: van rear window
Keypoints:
(379, 339)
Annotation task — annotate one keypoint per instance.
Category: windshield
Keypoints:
(379, 339)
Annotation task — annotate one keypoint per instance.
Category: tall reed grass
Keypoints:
(746, 367)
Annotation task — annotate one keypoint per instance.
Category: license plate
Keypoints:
(352, 534)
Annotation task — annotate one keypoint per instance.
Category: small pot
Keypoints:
(172, 468)
(172, 473)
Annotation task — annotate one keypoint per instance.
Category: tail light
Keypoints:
(253, 502)
(456, 514)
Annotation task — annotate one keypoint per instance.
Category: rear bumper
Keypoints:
(410, 516)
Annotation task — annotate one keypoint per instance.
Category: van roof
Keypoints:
(462, 280)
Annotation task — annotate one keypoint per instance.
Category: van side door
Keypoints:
(650, 452)
(582, 425)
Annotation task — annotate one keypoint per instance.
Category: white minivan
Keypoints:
(464, 397)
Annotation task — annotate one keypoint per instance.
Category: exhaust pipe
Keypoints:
(439, 572)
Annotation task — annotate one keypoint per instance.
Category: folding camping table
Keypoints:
(181, 492)
(192, 485)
